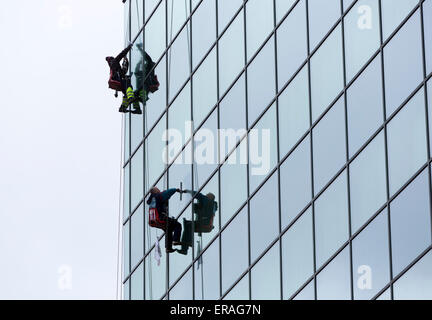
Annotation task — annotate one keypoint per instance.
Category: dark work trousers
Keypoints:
(173, 233)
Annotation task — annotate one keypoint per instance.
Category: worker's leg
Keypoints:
(177, 228)
(124, 105)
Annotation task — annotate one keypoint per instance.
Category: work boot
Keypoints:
(137, 109)
(124, 106)
(143, 95)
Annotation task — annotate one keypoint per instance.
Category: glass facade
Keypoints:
(342, 90)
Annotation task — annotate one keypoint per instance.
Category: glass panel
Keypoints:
(155, 275)
(296, 180)
(259, 24)
(264, 217)
(137, 236)
(150, 6)
(416, 284)
(206, 150)
(126, 192)
(393, 14)
(294, 118)
(226, 11)
(232, 110)
(386, 295)
(265, 276)
(240, 291)
(365, 106)
(126, 250)
(203, 38)
(410, 223)
(429, 94)
(292, 42)
(362, 35)
(233, 177)
(346, 4)
(183, 289)
(261, 89)
(331, 220)
(204, 89)
(207, 274)
(231, 53)
(126, 289)
(235, 253)
(154, 147)
(368, 182)
(407, 142)
(329, 134)
(322, 16)
(137, 283)
(137, 177)
(157, 101)
(403, 63)
(334, 282)
(178, 12)
(371, 269)
(178, 61)
(297, 260)
(326, 70)
(262, 148)
(308, 293)
(427, 14)
(155, 32)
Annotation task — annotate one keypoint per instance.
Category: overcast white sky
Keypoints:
(60, 142)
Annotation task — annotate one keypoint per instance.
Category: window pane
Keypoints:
(232, 111)
(203, 38)
(368, 182)
(326, 70)
(322, 16)
(204, 89)
(157, 101)
(296, 180)
(410, 223)
(154, 145)
(308, 293)
(393, 14)
(137, 178)
(371, 264)
(416, 284)
(265, 276)
(137, 236)
(155, 32)
(297, 260)
(262, 148)
(333, 283)
(207, 274)
(126, 192)
(233, 177)
(234, 250)
(126, 248)
(292, 42)
(137, 283)
(259, 24)
(403, 63)
(226, 11)
(331, 220)
(231, 53)
(264, 227)
(261, 82)
(427, 12)
(365, 106)
(282, 7)
(362, 35)
(294, 116)
(329, 134)
(407, 142)
(155, 275)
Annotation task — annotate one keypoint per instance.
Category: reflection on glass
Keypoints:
(410, 223)
(334, 282)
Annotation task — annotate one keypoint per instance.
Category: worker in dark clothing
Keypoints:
(174, 228)
(204, 213)
(120, 81)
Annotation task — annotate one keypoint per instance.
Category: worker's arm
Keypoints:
(123, 54)
(168, 194)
